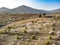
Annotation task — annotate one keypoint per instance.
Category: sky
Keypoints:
(38, 4)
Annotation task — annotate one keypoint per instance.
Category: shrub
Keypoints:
(51, 32)
(1, 31)
(47, 43)
(34, 21)
(17, 37)
(54, 25)
(40, 15)
(49, 37)
(26, 43)
(44, 14)
(53, 29)
(25, 27)
(25, 31)
(9, 27)
(33, 37)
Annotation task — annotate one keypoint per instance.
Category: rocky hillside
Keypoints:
(38, 31)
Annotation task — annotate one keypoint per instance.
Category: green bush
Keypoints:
(33, 37)
(1, 31)
(17, 37)
(47, 43)
(9, 27)
(34, 21)
(25, 31)
(49, 37)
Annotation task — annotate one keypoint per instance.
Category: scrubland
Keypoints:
(34, 31)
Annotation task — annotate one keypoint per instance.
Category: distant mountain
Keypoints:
(4, 9)
(55, 11)
(25, 9)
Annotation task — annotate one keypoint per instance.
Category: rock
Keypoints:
(51, 32)
(53, 44)
(30, 30)
(58, 35)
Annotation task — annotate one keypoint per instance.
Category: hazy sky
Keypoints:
(38, 4)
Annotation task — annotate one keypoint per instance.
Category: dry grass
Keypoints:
(39, 27)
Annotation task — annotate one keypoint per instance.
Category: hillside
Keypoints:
(37, 31)
(7, 18)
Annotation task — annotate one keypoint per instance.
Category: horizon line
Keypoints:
(30, 7)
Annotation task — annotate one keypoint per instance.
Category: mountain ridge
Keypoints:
(26, 9)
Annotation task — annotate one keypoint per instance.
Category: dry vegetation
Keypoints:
(9, 18)
(36, 31)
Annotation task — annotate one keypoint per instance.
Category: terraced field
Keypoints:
(37, 31)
